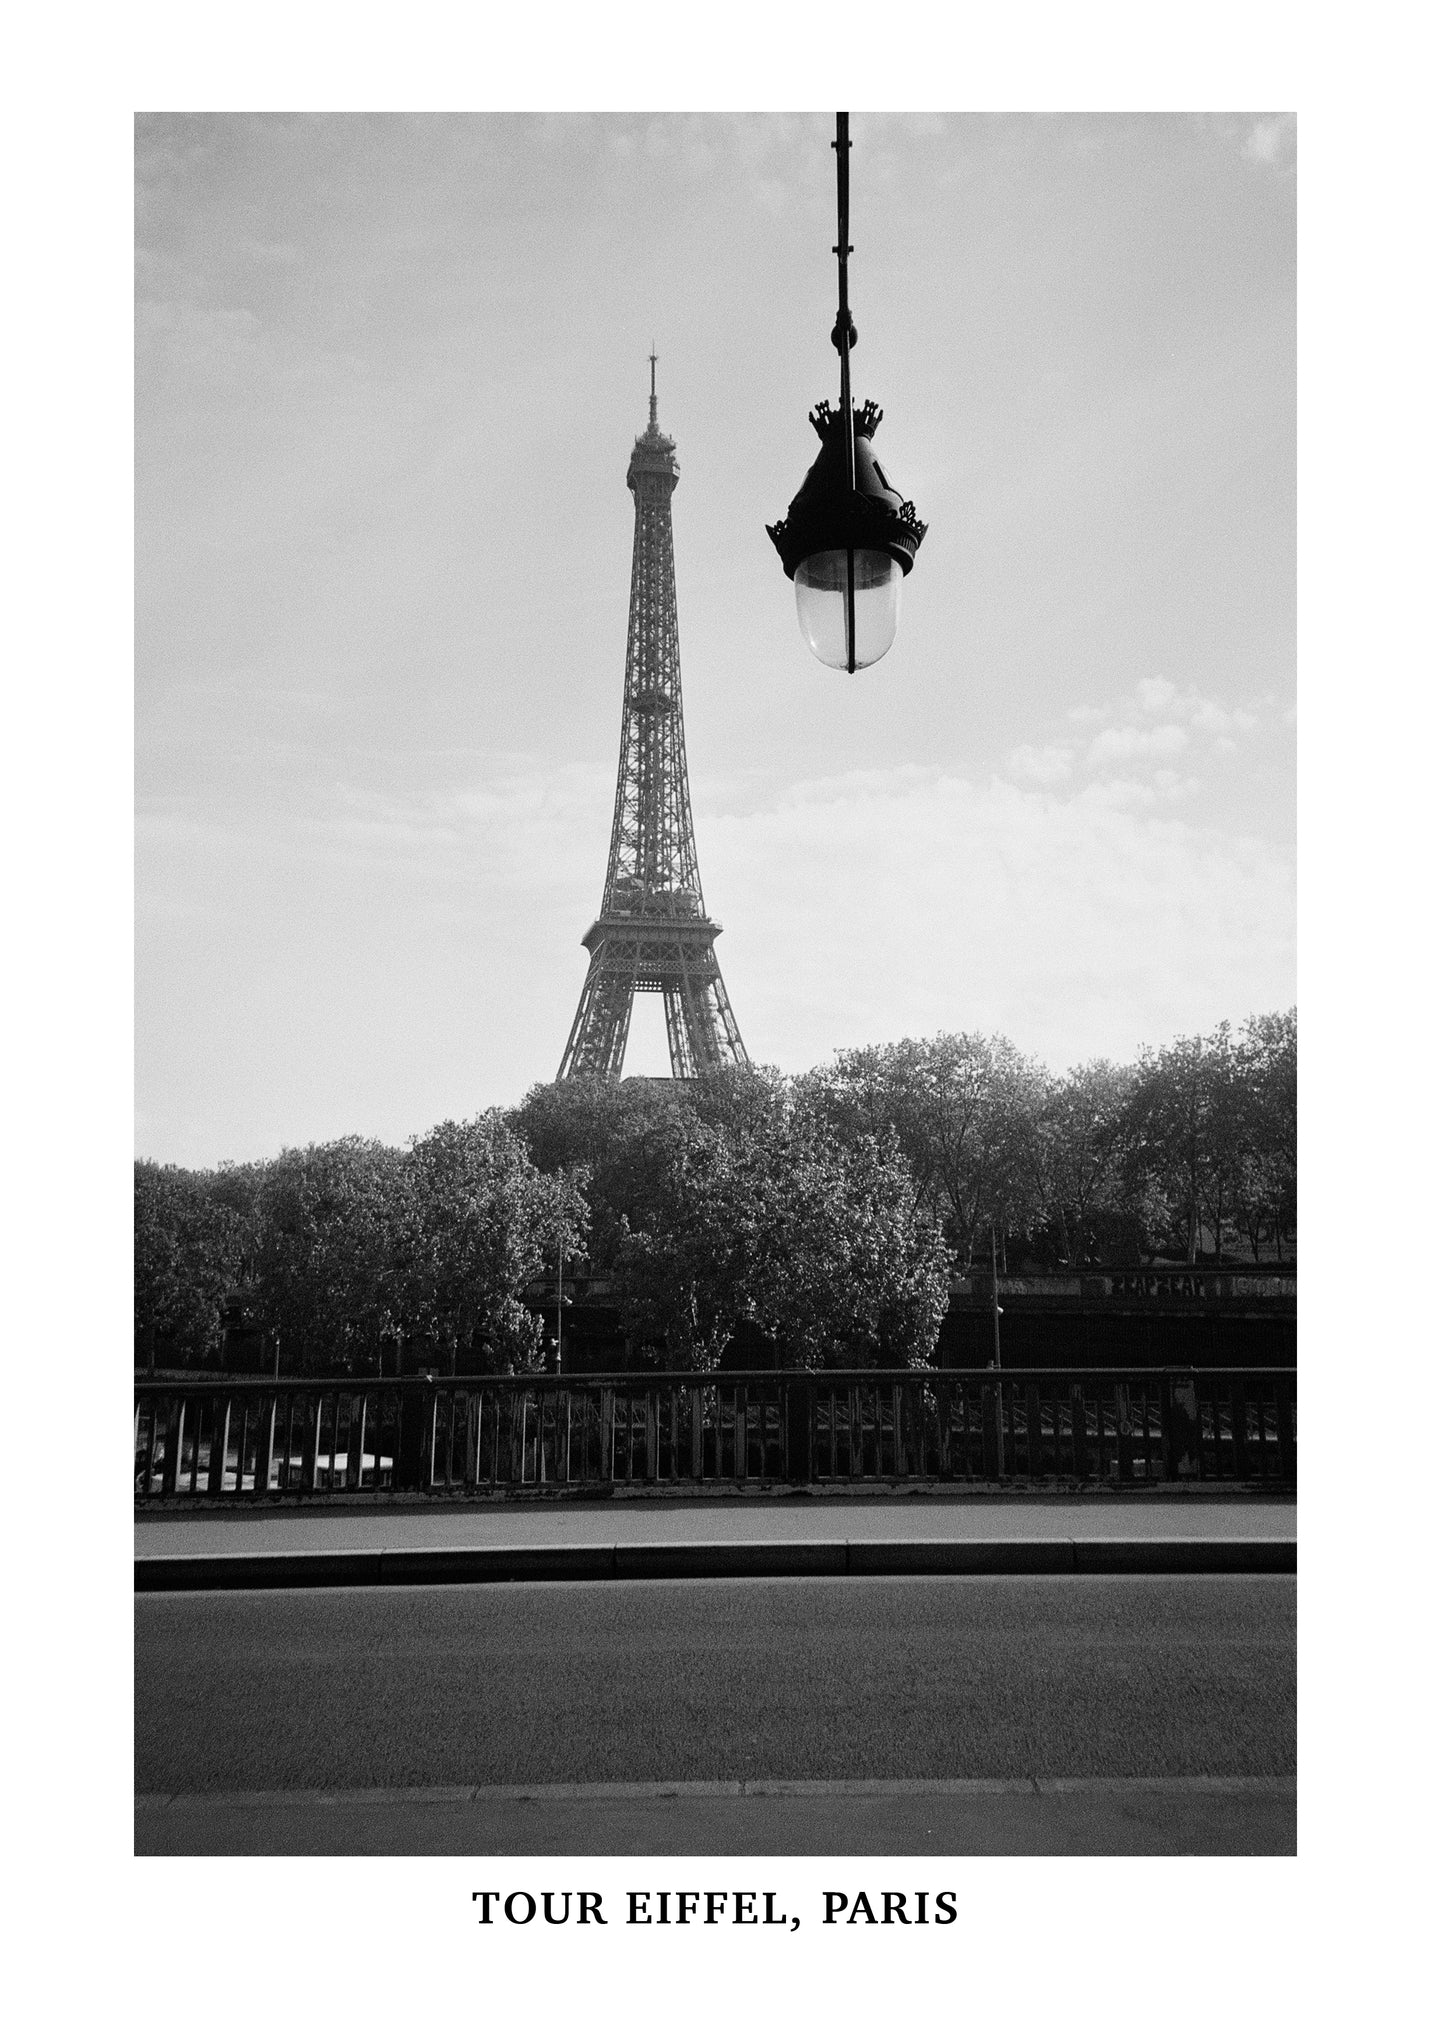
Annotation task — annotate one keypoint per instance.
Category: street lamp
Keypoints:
(849, 537)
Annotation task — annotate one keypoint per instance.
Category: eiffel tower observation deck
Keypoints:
(653, 934)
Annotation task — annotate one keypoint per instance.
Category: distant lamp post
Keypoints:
(849, 537)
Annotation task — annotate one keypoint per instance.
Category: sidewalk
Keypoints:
(1028, 1817)
(296, 1546)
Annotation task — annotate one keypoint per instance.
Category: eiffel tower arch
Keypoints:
(653, 934)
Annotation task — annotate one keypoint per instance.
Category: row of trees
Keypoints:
(829, 1210)
(340, 1248)
(1170, 1157)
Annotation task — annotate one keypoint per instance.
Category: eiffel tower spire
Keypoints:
(653, 932)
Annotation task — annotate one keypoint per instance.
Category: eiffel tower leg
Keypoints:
(726, 1033)
(712, 1035)
(699, 1041)
(680, 1031)
(598, 1041)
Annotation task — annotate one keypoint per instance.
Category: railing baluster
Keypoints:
(171, 1453)
(184, 1476)
(218, 1482)
(1124, 1433)
(245, 1443)
(1284, 1422)
(356, 1440)
(1034, 1424)
(1239, 1429)
(1144, 1396)
(311, 1440)
(153, 1408)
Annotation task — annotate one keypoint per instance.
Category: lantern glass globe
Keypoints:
(849, 600)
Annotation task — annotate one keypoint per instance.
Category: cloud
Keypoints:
(1157, 719)
(208, 349)
(1043, 764)
(1132, 741)
(516, 832)
(1271, 140)
(1155, 693)
(868, 908)
(1267, 139)
(1171, 786)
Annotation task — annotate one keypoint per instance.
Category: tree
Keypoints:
(189, 1256)
(331, 1236)
(851, 1266)
(964, 1109)
(685, 1271)
(1268, 1061)
(818, 1238)
(237, 1188)
(1196, 1121)
(1079, 1158)
(739, 1099)
(607, 1132)
(486, 1223)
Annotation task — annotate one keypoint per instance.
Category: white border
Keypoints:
(1257, 1947)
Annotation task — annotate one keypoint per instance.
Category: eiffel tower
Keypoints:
(653, 934)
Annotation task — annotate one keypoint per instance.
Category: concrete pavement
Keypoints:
(1247, 1816)
(328, 1543)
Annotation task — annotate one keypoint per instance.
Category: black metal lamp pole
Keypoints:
(845, 333)
(849, 537)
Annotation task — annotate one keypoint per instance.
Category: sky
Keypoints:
(390, 369)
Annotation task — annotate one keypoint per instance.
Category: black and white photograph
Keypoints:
(809, 1369)
(679, 762)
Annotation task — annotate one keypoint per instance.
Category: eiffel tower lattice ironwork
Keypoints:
(653, 933)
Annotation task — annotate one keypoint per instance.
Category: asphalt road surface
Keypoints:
(401, 1720)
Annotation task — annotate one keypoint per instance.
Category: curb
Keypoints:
(712, 1791)
(660, 1561)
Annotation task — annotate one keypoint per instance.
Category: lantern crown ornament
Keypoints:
(850, 536)
(839, 507)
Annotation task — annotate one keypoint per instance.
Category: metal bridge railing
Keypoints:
(1044, 1428)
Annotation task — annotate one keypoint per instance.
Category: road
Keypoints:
(379, 1696)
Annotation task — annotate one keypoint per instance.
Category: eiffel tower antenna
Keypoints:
(652, 934)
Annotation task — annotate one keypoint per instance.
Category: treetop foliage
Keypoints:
(827, 1211)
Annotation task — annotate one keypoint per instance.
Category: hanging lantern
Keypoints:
(849, 537)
